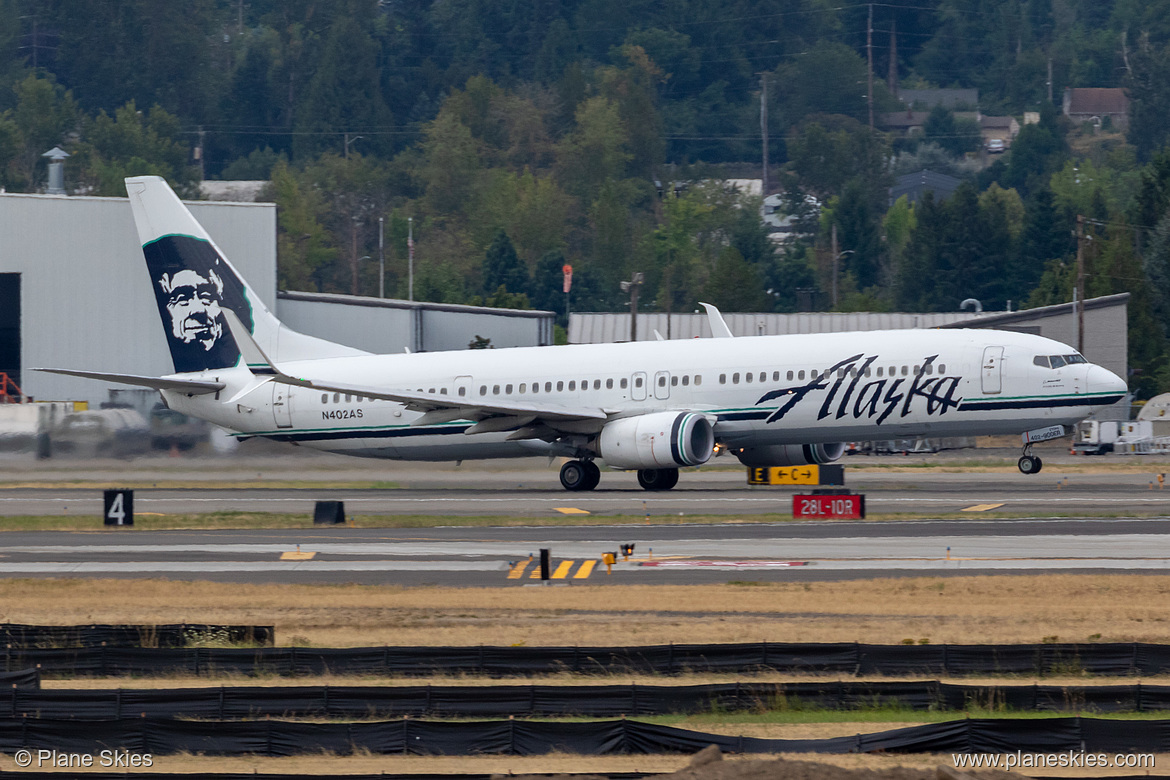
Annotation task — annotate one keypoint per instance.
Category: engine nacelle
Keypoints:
(663, 440)
(790, 454)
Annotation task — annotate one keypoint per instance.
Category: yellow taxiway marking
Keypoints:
(981, 507)
(562, 570)
(585, 570)
(150, 514)
(297, 556)
(571, 510)
(517, 570)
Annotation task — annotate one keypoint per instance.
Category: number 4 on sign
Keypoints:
(119, 507)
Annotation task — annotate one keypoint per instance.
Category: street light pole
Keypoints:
(381, 258)
(410, 258)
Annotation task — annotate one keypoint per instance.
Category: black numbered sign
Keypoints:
(119, 507)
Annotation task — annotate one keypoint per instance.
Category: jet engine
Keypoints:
(657, 441)
(790, 454)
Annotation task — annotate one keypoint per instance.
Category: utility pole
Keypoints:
(764, 129)
(833, 249)
(869, 55)
(633, 287)
(410, 258)
(199, 154)
(381, 257)
(892, 74)
(1080, 292)
(1050, 79)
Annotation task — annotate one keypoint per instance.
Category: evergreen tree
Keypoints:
(1045, 237)
(345, 94)
(502, 267)
(859, 235)
(735, 285)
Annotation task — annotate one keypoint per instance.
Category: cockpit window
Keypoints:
(1058, 361)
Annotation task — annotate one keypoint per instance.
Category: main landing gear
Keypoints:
(658, 479)
(580, 475)
(1029, 463)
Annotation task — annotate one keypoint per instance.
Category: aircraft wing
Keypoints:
(188, 386)
(438, 407)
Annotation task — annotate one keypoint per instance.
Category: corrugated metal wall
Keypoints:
(386, 326)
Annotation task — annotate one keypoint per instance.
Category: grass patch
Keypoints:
(964, 610)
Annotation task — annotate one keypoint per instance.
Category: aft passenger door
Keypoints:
(992, 372)
(281, 405)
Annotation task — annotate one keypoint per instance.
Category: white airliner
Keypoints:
(648, 406)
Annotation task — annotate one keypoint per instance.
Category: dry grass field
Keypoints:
(1001, 609)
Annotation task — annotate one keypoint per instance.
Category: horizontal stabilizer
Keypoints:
(188, 386)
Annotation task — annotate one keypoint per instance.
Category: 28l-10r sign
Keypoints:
(829, 507)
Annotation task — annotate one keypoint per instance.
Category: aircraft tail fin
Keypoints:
(194, 282)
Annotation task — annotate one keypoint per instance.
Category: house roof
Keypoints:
(1097, 101)
(988, 122)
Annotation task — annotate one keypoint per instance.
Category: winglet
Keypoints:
(719, 329)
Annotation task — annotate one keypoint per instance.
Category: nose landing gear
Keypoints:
(1029, 463)
(577, 475)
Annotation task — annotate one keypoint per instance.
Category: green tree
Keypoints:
(1149, 91)
(596, 151)
(345, 95)
(859, 235)
(44, 115)
(502, 267)
(826, 152)
(302, 243)
(1045, 237)
(451, 164)
(958, 135)
(735, 284)
(133, 143)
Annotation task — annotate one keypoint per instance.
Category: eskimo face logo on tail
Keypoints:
(192, 286)
(874, 400)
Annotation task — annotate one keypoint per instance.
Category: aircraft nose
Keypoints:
(1102, 380)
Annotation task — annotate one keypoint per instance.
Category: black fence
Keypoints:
(1115, 659)
(18, 635)
(163, 736)
(228, 703)
(25, 678)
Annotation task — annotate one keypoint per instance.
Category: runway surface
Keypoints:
(538, 494)
(508, 556)
(1071, 522)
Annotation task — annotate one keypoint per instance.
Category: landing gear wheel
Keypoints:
(594, 475)
(658, 479)
(575, 475)
(1030, 464)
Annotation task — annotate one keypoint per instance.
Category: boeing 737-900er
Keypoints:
(654, 406)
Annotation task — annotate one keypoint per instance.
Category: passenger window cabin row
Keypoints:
(696, 380)
(799, 375)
